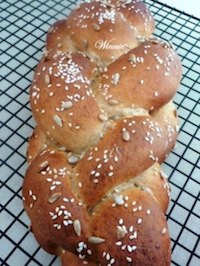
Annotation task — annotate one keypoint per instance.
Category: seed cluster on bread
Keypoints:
(102, 100)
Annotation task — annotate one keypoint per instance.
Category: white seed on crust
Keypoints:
(72, 159)
(54, 197)
(164, 230)
(121, 231)
(118, 199)
(127, 2)
(115, 78)
(96, 27)
(47, 79)
(96, 240)
(58, 120)
(66, 105)
(103, 117)
(77, 227)
(132, 58)
(148, 211)
(125, 135)
(44, 164)
(129, 259)
(113, 102)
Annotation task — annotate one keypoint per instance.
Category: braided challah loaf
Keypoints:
(101, 96)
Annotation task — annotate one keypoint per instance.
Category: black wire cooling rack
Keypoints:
(24, 24)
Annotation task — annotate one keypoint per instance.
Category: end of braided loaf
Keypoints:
(94, 189)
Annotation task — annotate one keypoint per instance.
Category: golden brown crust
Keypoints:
(99, 23)
(69, 259)
(57, 213)
(135, 246)
(104, 163)
(62, 101)
(134, 79)
(94, 189)
(37, 142)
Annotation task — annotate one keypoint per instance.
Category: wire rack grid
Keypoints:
(23, 28)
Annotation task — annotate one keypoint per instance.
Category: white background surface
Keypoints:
(191, 7)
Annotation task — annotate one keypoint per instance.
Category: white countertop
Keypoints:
(191, 7)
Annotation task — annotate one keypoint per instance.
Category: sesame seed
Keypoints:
(123, 247)
(99, 166)
(60, 212)
(121, 221)
(132, 58)
(97, 174)
(129, 248)
(131, 229)
(121, 231)
(129, 259)
(107, 256)
(112, 261)
(118, 243)
(116, 159)
(34, 197)
(139, 220)
(148, 211)
(115, 78)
